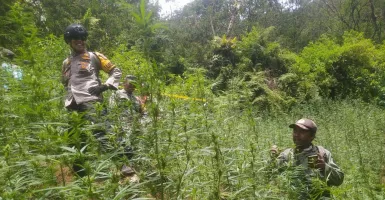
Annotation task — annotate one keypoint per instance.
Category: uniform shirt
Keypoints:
(332, 173)
(121, 99)
(127, 107)
(80, 72)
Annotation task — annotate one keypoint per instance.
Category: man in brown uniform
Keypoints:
(80, 76)
(81, 71)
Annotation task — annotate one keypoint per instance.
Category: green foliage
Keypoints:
(17, 26)
(5, 6)
(264, 55)
(354, 70)
(146, 32)
(223, 44)
(132, 62)
(259, 91)
(311, 69)
(223, 59)
(193, 86)
(333, 70)
(135, 63)
(250, 68)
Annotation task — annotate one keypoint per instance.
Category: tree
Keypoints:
(359, 15)
(17, 25)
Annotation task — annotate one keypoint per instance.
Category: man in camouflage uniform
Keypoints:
(80, 77)
(129, 109)
(126, 100)
(316, 161)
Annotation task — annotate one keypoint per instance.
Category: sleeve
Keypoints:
(113, 72)
(283, 158)
(66, 72)
(333, 174)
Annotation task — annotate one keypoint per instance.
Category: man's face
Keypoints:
(78, 45)
(301, 137)
(129, 87)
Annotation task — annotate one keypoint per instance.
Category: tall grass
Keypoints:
(229, 150)
(197, 150)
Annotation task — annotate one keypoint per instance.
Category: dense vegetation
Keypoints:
(225, 78)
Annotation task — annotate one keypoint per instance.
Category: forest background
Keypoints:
(224, 77)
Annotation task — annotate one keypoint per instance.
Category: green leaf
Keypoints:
(72, 150)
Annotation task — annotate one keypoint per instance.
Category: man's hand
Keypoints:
(96, 90)
(320, 162)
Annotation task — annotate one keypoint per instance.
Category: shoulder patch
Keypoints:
(106, 64)
(101, 56)
(86, 56)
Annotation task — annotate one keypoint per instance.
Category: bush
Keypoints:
(332, 70)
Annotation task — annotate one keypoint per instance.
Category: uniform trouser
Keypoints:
(98, 117)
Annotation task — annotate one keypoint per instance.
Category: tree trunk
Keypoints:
(234, 13)
(374, 21)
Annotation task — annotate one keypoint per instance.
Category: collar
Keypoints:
(310, 148)
(74, 54)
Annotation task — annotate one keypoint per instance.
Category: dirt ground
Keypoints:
(65, 175)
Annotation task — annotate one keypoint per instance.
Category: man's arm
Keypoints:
(284, 158)
(332, 173)
(113, 72)
(114, 78)
(66, 72)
